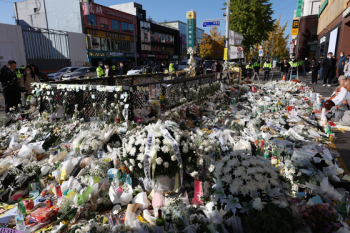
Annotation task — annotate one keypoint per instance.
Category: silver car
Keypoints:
(58, 75)
(81, 73)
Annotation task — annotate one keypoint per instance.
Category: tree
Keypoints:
(251, 18)
(211, 43)
(276, 45)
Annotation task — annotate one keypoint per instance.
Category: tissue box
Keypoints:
(43, 214)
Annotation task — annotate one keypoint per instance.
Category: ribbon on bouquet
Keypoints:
(150, 155)
(176, 150)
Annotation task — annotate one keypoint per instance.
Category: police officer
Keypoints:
(294, 66)
(99, 70)
(113, 67)
(250, 68)
(257, 67)
(267, 68)
(9, 80)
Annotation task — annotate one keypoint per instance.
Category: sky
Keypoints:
(161, 10)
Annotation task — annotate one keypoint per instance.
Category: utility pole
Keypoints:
(227, 26)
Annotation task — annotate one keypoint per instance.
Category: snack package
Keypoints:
(43, 214)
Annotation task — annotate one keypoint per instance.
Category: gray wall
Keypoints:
(26, 15)
(64, 15)
(11, 38)
(77, 45)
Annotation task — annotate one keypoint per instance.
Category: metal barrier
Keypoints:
(89, 96)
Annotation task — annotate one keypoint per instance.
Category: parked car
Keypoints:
(208, 64)
(58, 75)
(135, 70)
(81, 73)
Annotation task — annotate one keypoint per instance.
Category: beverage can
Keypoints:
(48, 203)
(58, 191)
(43, 193)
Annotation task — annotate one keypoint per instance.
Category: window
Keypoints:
(109, 45)
(96, 43)
(112, 45)
(115, 25)
(127, 27)
(105, 26)
(91, 20)
(104, 44)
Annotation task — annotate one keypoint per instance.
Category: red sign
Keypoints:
(86, 7)
(260, 47)
(240, 49)
(161, 56)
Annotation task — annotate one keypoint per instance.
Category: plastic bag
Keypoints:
(141, 198)
(130, 218)
(26, 150)
(242, 145)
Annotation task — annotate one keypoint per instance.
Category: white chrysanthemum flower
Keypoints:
(227, 169)
(173, 158)
(273, 182)
(126, 163)
(226, 178)
(274, 175)
(131, 168)
(251, 170)
(201, 147)
(194, 174)
(258, 177)
(159, 161)
(166, 164)
(245, 190)
(261, 163)
(177, 138)
(132, 162)
(245, 163)
(245, 176)
(140, 165)
(262, 185)
(259, 169)
(140, 157)
(211, 168)
(233, 162)
(234, 189)
(138, 142)
(157, 147)
(185, 149)
(253, 161)
(142, 149)
(219, 165)
(165, 149)
(157, 141)
(124, 153)
(225, 159)
(132, 151)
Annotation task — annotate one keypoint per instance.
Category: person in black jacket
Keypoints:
(320, 62)
(314, 70)
(285, 68)
(121, 68)
(9, 82)
(328, 67)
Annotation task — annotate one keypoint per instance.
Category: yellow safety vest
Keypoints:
(250, 66)
(19, 75)
(100, 72)
(267, 65)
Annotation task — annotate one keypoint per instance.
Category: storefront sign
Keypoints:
(175, 57)
(161, 56)
(299, 8)
(346, 12)
(115, 54)
(191, 29)
(295, 27)
(151, 55)
(322, 40)
(86, 7)
(131, 55)
(143, 55)
(96, 53)
(109, 35)
(325, 3)
(116, 14)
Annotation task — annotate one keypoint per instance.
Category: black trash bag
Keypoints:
(77, 168)
(22, 181)
(4, 197)
(6, 180)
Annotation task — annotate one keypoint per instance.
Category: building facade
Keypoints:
(182, 27)
(334, 28)
(306, 43)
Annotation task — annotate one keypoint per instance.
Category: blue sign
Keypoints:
(260, 53)
(211, 24)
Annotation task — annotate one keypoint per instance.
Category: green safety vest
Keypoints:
(250, 67)
(294, 64)
(22, 67)
(100, 71)
(19, 75)
(113, 67)
(256, 64)
(267, 65)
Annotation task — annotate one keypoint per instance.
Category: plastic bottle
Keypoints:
(100, 152)
(128, 179)
(266, 154)
(20, 223)
(21, 206)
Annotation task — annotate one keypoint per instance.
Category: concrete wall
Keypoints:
(11, 45)
(77, 47)
(26, 16)
(64, 15)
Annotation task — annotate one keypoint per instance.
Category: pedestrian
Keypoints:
(109, 72)
(305, 67)
(314, 70)
(27, 78)
(99, 70)
(250, 68)
(321, 67)
(9, 81)
(171, 68)
(162, 67)
(347, 66)
(257, 67)
(328, 68)
(285, 68)
(198, 70)
(121, 68)
(155, 68)
(267, 69)
(341, 64)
